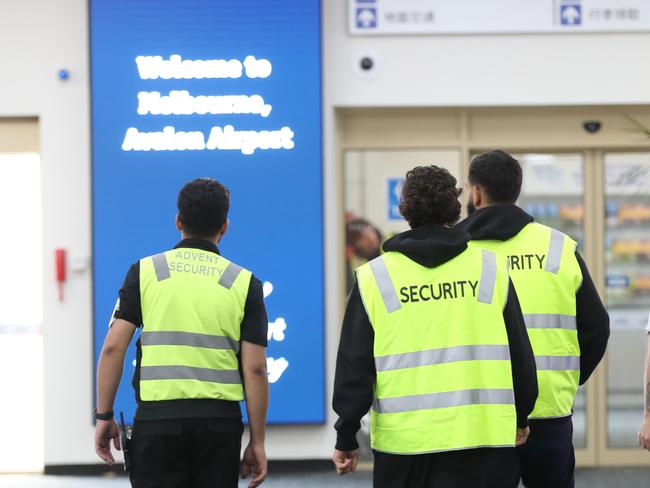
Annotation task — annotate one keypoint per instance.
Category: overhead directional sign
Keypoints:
(377, 17)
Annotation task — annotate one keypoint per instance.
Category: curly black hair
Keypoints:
(203, 206)
(499, 174)
(429, 197)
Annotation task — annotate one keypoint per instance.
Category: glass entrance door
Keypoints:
(627, 285)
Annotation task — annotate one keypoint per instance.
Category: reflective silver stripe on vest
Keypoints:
(385, 284)
(188, 373)
(488, 277)
(489, 352)
(550, 321)
(554, 254)
(229, 275)
(160, 266)
(557, 363)
(446, 399)
(375, 405)
(167, 338)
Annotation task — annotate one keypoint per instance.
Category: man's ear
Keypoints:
(179, 225)
(223, 230)
(477, 196)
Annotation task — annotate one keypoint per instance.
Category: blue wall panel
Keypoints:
(276, 204)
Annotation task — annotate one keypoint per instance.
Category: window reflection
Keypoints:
(627, 282)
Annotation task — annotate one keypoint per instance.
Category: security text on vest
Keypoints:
(526, 261)
(439, 291)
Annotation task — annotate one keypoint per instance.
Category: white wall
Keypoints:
(38, 37)
(569, 69)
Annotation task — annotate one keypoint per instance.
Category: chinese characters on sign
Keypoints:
(413, 16)
(606, 14)
(405, 17)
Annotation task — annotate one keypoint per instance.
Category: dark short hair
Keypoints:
(203, 206)
(356, 227)
(429, 196)
(499, 174)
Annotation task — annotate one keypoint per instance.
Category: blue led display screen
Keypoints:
(229, 89)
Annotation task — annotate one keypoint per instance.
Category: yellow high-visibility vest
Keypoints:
(444, 376)
(192, 308)
(546, 275)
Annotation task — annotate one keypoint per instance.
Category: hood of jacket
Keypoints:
(429, 245)
(497, 222)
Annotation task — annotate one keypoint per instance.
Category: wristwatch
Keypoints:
(103, 416)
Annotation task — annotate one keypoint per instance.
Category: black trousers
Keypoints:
(472, 468)
(548, 459)
(185, 453)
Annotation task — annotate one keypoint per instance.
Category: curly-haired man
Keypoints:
(434, 344)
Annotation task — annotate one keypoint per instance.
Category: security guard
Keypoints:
(567, 323)
(200, 352)
(433, 339)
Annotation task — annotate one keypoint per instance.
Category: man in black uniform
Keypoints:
(204, 333)
(430, 204)
(495, 178)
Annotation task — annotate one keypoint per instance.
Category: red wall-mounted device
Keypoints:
(60, 270)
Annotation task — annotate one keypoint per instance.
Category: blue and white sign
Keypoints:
(189, 88)
(394, 187)
(571, 13)
(617, 281)
(407, 17)
(366, 18)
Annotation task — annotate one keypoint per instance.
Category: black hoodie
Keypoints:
(355, 375)
(502, 222)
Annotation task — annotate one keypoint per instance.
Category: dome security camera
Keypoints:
(366, 63)
(592, 126)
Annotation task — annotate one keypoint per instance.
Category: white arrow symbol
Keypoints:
(366, 17)
(571, 15)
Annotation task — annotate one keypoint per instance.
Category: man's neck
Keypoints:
(485, 205)
(215, 240)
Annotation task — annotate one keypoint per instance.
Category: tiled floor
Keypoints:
(586, 478)
(315, 480)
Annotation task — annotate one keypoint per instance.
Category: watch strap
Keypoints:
(103, 415)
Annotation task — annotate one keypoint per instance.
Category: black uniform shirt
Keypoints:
(254, 328)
